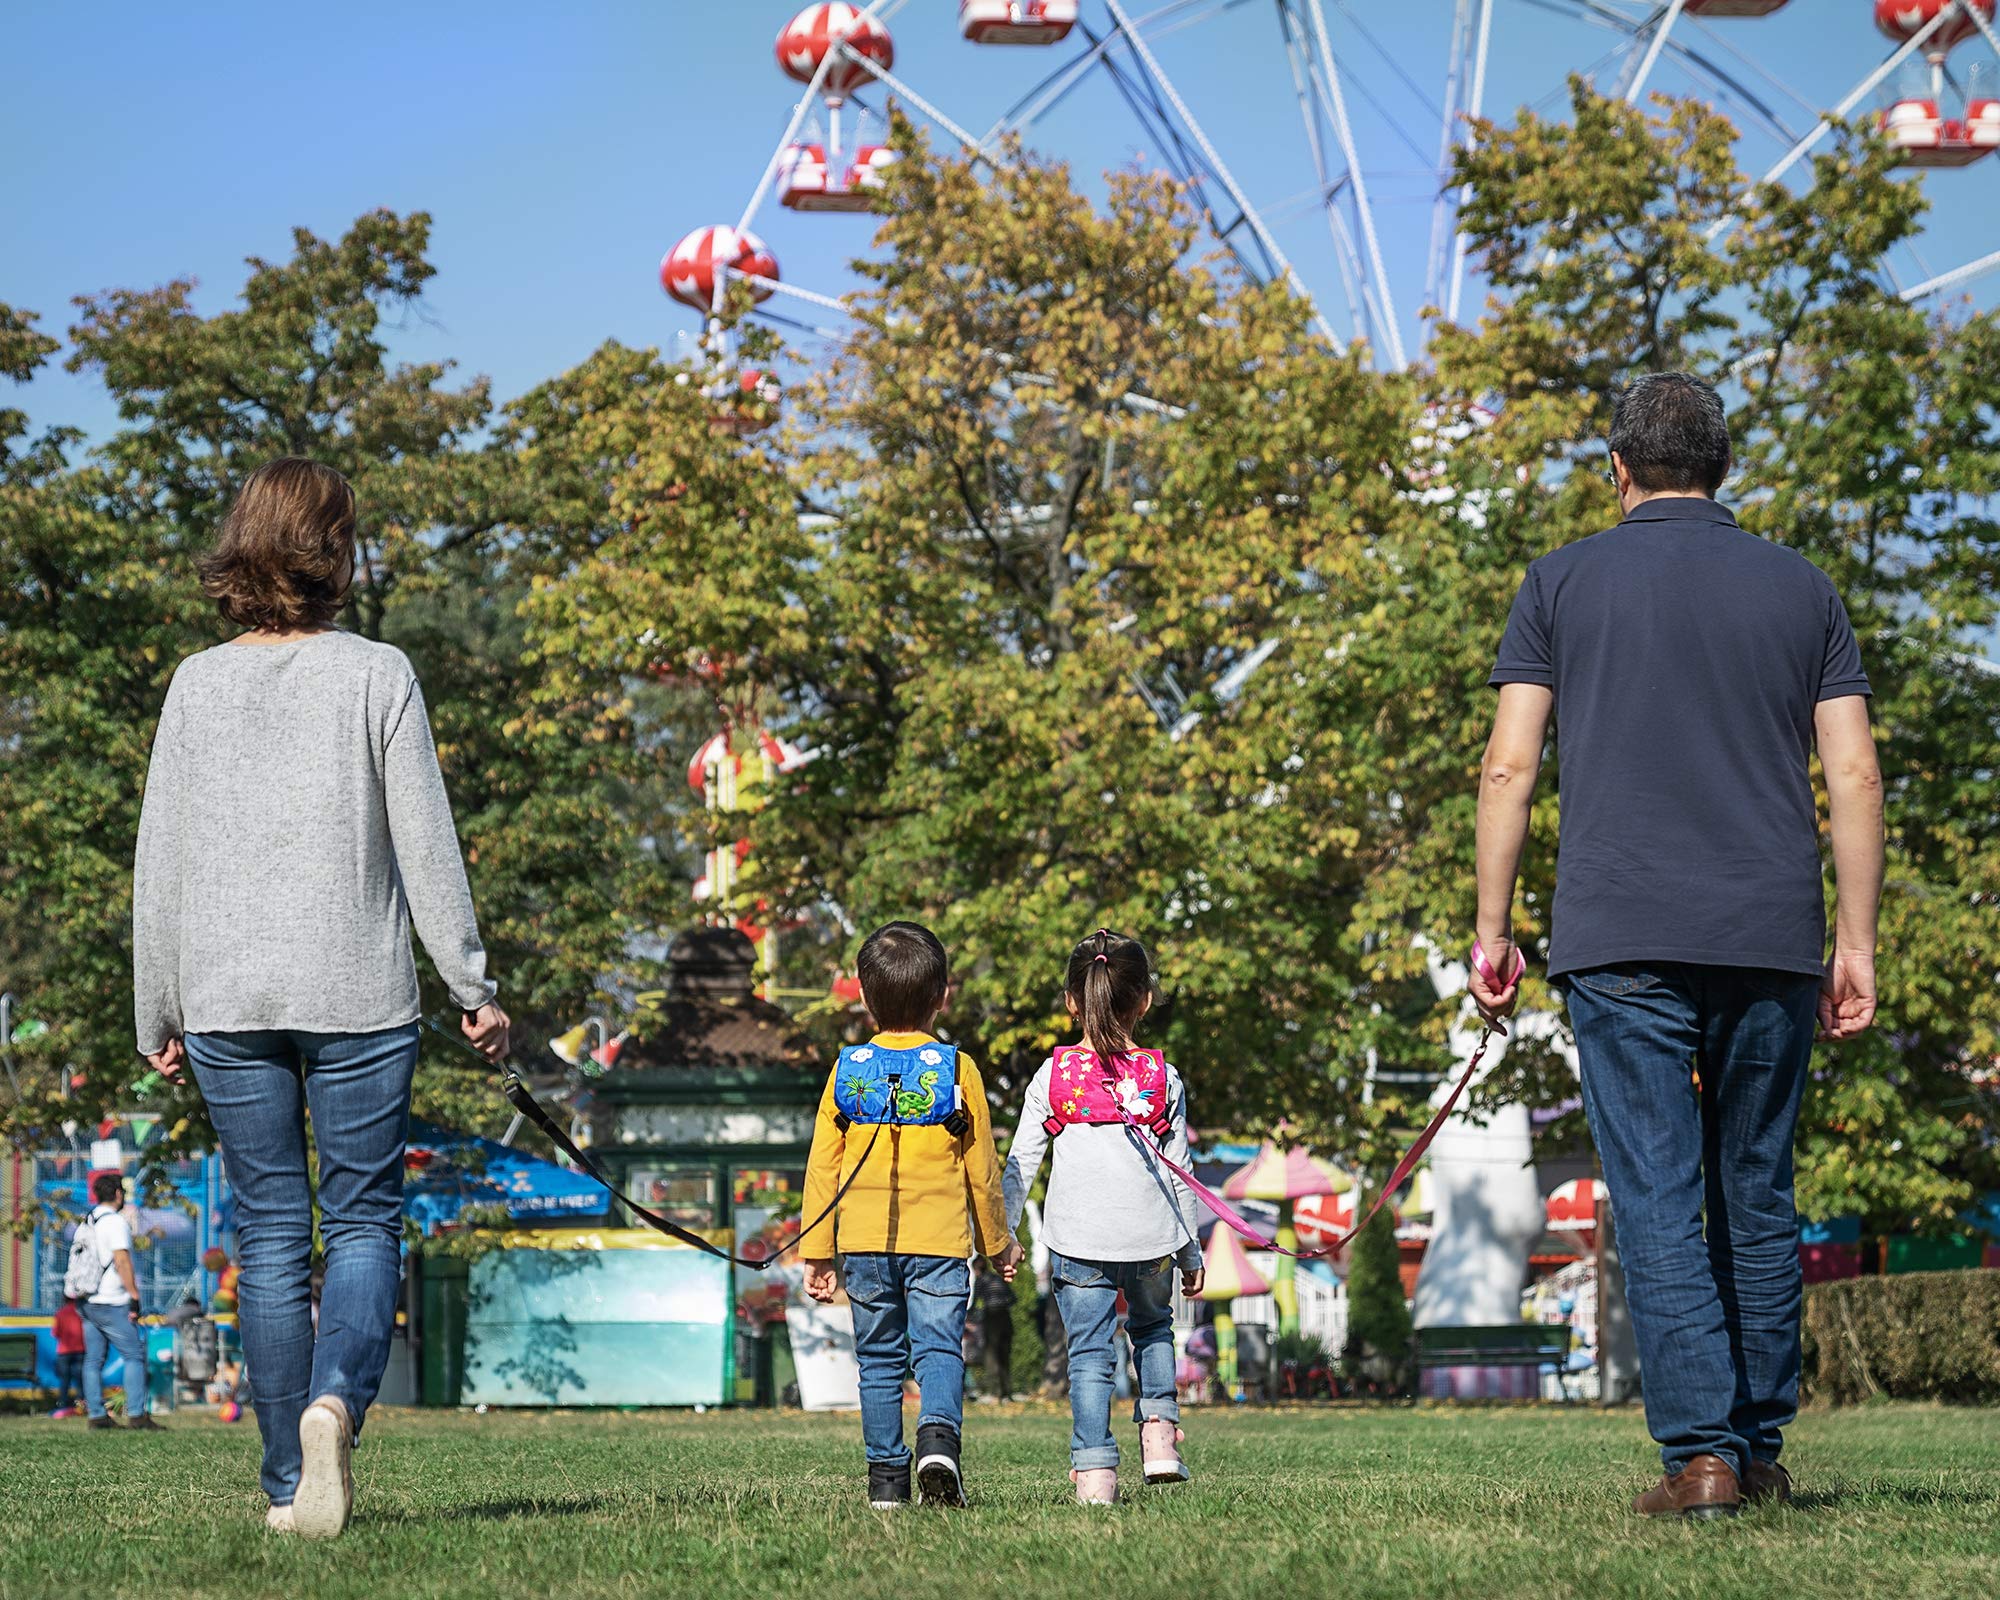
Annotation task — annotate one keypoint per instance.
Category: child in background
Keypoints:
(69, 1358)
(1114, 1220)
(900, 1229)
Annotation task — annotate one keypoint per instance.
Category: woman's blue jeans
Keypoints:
(908, 1311)
(259, 1087)
(1087, 1297)
(1691, 1080)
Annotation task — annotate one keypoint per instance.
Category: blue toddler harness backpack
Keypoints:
(916, 1087)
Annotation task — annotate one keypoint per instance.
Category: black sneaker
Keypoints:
(104, 1422)
(938, 1476)
(144, 1423)
(888, 1485)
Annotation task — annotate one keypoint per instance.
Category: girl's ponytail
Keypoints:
(1109, 980)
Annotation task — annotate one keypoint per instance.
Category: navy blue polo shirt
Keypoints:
(1686, 657)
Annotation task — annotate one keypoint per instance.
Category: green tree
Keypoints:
(1379, 1332)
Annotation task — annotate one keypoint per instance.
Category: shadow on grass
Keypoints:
(520, 1507)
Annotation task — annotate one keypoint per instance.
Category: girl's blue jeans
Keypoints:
(357, 1085)
(1087, 1299)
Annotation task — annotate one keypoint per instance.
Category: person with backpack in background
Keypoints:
(68, 1332)
(101, 1275)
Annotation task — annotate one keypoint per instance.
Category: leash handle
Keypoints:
(1483, 965)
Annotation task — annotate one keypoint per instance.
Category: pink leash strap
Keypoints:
(1227, 1213)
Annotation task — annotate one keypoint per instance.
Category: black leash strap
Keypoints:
(518, 1096)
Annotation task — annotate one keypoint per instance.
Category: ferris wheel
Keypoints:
(1346, 68)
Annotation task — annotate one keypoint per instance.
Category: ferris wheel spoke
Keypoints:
(1481, 51)
(1661, 29)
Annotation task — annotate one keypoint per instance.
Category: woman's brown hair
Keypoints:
(285, 557)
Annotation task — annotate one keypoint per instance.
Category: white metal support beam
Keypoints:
(1953, 278)
(1659, 43)
(1359, 184)
(1343, 245)
(1472, 110)
(1216, 164)
(1437, 259)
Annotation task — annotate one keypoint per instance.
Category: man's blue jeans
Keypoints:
(105, 1328)
(908, 1311)
(1087, 1297)
(1691, 1080)
(357, 1085)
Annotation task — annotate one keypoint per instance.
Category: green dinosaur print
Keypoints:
(911, 1104)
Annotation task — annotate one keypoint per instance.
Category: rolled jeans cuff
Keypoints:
(926, 1418)
(1091, 1460)
(1166, 1409)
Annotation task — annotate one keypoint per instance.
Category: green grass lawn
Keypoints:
(1896, 1501)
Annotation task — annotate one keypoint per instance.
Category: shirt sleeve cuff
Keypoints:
(1844, 687)
(1541, 676)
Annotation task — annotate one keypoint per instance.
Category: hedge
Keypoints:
(1916, 1336)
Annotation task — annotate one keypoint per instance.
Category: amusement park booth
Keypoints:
(707, 1117)
(704, 1114)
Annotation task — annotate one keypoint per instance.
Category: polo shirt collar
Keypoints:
(1681, 508)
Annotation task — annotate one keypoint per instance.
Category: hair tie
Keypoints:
(1100, 956)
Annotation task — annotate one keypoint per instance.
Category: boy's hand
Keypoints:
(1191, 1282)
(1008, 1261)
(821, 1281)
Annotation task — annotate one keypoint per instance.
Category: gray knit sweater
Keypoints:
(295, 823)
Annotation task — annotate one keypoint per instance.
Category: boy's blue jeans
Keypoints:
(258, 1087)
(1087, 1298)
(908, 1311)
(107, 1328)
(1701, 1188)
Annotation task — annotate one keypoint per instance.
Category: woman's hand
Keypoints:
(166, 1060)
(487, 1028)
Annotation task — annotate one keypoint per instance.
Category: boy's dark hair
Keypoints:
(1110, 979)
(107, 1187)
(1670, 430)
(904, 972)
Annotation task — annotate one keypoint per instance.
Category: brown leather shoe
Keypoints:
(1767, 1481)
(1701, 1491)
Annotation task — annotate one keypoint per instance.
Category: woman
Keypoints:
(295, 825)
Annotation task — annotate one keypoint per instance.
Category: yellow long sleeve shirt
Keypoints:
(913, 1196)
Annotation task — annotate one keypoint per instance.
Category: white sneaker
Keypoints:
(1095, 1486)
(279, 1520)
(1159, 1440)
(325, 1498)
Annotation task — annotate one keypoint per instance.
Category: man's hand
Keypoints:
(1495, 1003)
(822, 1281)
(1008, 1261)
(487, 1028)
(1191, 1282)
(166, 1061)
(1847, 995)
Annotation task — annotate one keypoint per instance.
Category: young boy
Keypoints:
(901, 1229)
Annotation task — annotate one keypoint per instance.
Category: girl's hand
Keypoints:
(821, 1281)
(1191, 1282)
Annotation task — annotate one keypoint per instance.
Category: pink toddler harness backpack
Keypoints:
(1134, 1089)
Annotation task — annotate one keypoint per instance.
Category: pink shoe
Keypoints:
(1158, 1442)
(1095, 1486)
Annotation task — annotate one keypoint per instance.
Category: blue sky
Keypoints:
(563, 148)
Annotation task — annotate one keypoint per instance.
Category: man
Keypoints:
(111, 1315)
(1690, 669)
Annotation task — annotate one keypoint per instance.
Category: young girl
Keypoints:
(1115, 1220)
